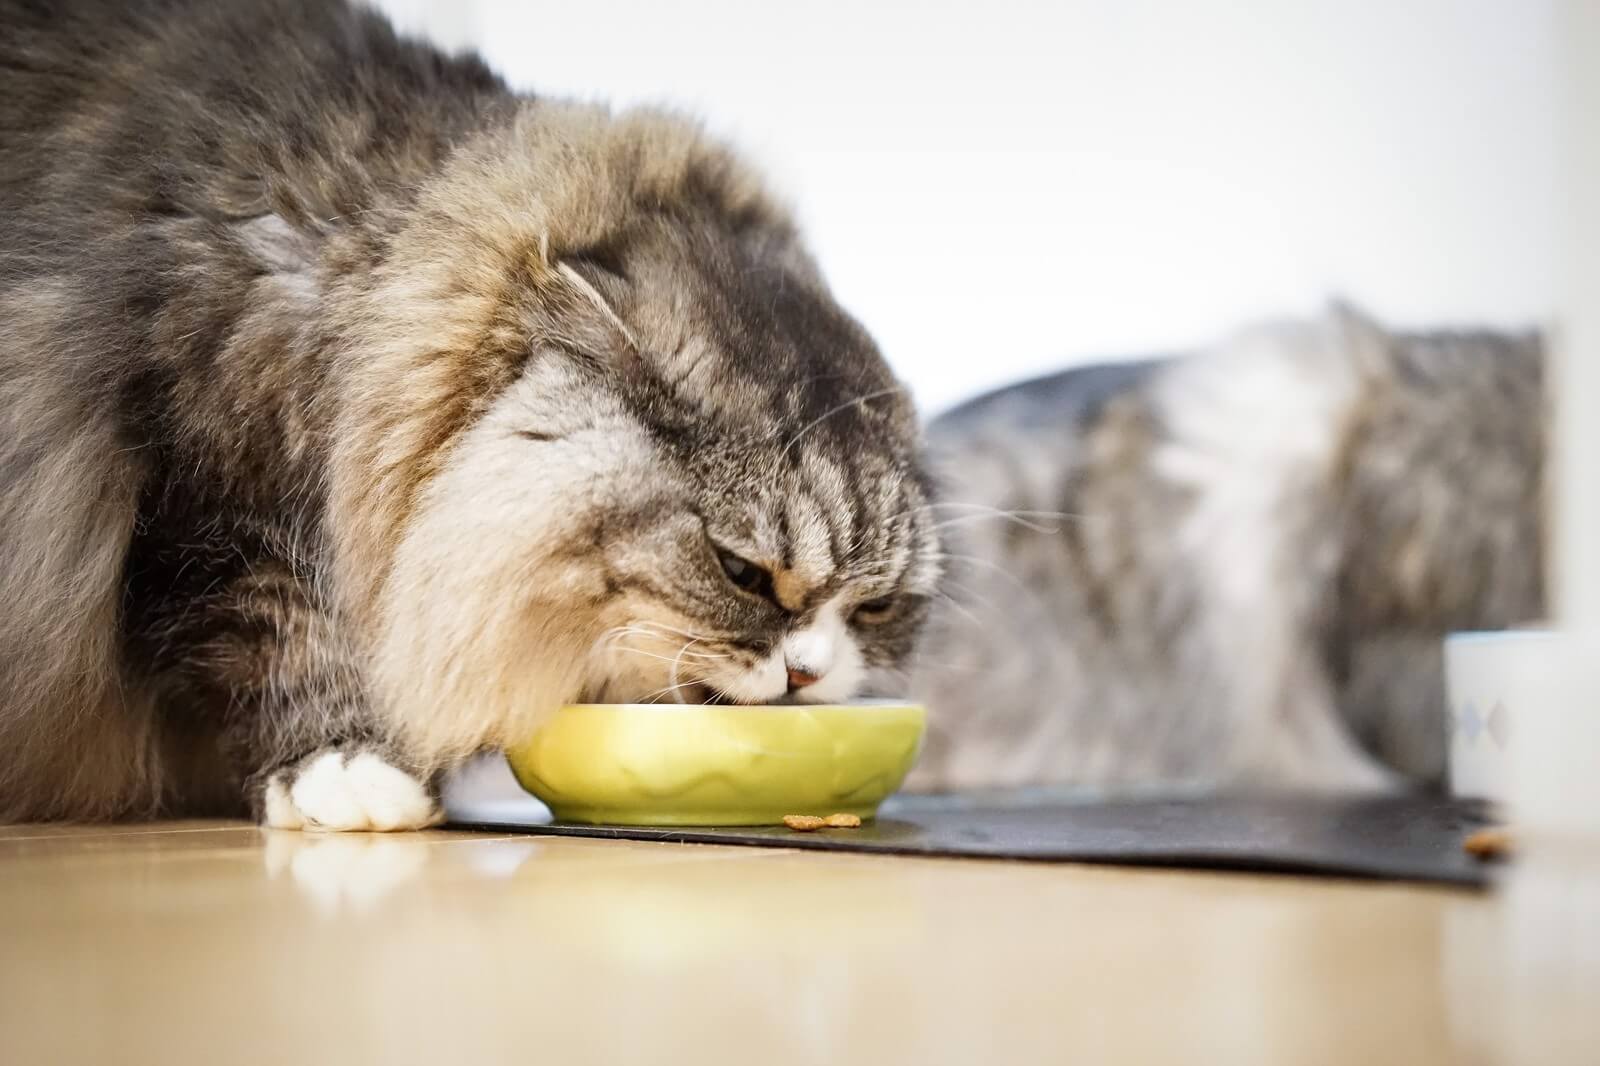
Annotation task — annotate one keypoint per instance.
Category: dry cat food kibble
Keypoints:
(805, 823)
(1494, 843)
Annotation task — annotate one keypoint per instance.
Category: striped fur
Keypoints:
(354, 403)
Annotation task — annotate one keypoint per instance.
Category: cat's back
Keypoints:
(1313, 502)
(155, 110)
(1015, 446)
(181, 183)
(1051, 403)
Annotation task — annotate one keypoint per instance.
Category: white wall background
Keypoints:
(1000, 189)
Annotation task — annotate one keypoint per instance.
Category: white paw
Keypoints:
(349, 794)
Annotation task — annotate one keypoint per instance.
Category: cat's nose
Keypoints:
(799, 679)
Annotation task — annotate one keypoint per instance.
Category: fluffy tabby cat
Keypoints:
(355, 409)
(1233, 568)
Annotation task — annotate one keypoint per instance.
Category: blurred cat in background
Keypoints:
(1231, 568)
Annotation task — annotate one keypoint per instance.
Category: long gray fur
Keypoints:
(1234, 567)
(353, 404)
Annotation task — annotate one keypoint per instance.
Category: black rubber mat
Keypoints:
(1392, 838)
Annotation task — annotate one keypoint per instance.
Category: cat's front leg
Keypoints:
(274, 665)
(320, 757)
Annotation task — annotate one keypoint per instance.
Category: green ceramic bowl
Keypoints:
(691, 764)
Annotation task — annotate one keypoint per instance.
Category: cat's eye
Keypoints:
(743, 573)
(875, 610)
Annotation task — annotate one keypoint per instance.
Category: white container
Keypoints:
(1491, 679)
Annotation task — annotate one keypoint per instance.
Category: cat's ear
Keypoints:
(576, 314)
(597, 302)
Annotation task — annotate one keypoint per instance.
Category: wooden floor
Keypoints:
(221, 943)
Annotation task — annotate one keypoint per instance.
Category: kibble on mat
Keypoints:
(804, 823)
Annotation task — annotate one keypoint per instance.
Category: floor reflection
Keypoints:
(1551, 942)
(343, 873)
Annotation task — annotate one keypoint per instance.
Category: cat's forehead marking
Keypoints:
(823, 518)
(807, 554)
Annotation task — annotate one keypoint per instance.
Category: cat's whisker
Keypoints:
(1020, 518)
(611, 636)
(653, 697)
(615, 635)
(698, 656)
(985, 508)
(934, 505)
(814, 423)
(677, 689)
(621, 633)
(663, 627)
(990, 564)
(959, 608)
(973, 597)
(1031, 595)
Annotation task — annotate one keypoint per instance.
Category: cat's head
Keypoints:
(614, 440)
